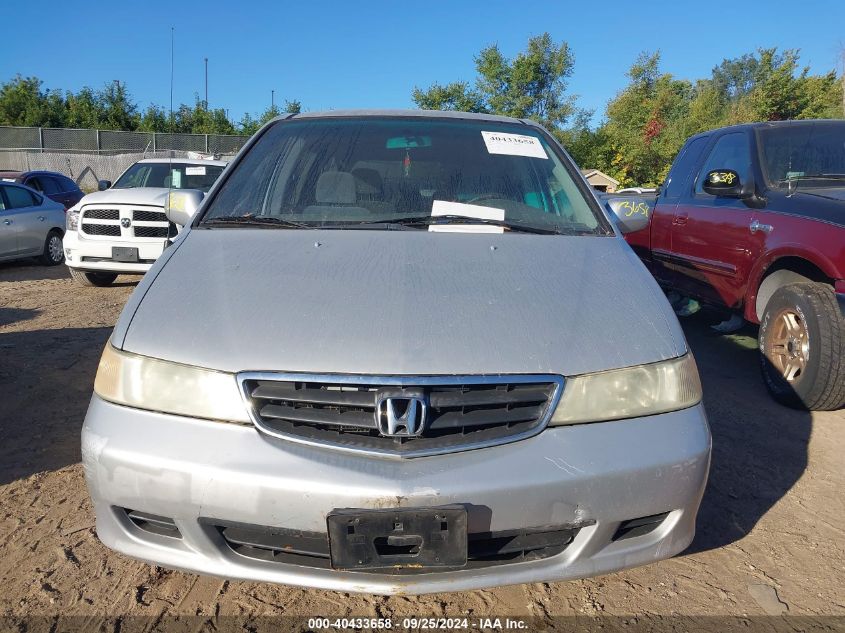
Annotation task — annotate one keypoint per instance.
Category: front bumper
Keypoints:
(95, 254)
(597, 475)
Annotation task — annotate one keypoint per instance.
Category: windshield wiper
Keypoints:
(819, 177)
(263, 221)
(435, 220)
(792, 183)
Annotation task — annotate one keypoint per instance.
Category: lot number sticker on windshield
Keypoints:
(513, 144)
(195, 171)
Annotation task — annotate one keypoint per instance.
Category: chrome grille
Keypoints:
(140, 215)
(151, 231)
(101, 229)
(101, 214)
(463, 412)
(111, 222)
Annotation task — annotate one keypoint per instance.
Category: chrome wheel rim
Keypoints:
(55, 248)
(789, 348)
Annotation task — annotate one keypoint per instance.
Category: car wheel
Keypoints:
(54, 253)
(93, 279)
(802, 347)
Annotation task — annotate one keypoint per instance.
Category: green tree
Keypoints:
(707, 108)
(23, 103)
(531, 85)
(84, 109)
(249, 125)
(119, 112)
(454, 96)
(735, 78)
(646, 123)
(154, 119)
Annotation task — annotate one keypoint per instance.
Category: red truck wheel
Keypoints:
(802, 347)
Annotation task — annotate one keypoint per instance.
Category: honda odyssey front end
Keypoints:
(397, 352)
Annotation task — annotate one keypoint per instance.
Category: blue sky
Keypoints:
(372, 54)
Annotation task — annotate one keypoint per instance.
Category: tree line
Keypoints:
(642, 128)
(25, 102)
(647, 122)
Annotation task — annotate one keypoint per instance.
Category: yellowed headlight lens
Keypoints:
(629, 393)
(158, 385)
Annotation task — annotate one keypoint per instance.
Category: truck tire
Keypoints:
(93, 279)
(802, 347)
(53, 253)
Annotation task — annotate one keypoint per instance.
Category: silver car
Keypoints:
(397, 352)
(31, 225)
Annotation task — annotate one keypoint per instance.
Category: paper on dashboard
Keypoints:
(440, 208)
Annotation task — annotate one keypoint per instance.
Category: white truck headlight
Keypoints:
(630, 392)
(72, 219)
(158, 385)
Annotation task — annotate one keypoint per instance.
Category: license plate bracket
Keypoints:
(399, 538)
(124, 254)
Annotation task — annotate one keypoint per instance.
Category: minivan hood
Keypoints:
(136, 195)
(400, 303)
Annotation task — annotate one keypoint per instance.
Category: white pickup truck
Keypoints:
(122, 229)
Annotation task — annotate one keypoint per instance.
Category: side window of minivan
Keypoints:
(731, 151)
(679, 175)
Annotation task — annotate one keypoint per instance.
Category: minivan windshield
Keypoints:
(392, 172)
(173, 175)
(811, 153)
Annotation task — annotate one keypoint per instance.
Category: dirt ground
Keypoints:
(770, 534)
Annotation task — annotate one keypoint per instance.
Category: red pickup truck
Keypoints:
(751, 218)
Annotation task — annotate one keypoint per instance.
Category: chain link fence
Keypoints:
(45, 139)
(87, 156)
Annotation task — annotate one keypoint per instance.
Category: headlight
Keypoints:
(631, 392)
(72, 219)
(158, 385)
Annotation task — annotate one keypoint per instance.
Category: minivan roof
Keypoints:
(186, 161)
(438, 114)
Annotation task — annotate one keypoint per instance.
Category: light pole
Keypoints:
(206, 83)
(272, 99)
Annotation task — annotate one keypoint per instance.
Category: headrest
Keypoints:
(336, 187)
(368, 180)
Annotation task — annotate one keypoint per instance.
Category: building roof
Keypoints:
(587, 173)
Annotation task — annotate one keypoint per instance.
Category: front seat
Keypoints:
(370, 189)
(334, 190)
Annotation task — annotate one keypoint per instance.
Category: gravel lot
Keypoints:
(770, 533)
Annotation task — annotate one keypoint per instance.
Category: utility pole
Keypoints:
(206, 83)
(171, 80)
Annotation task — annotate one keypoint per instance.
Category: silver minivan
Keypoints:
(397, 352)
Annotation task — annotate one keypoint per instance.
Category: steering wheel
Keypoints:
(484, 196)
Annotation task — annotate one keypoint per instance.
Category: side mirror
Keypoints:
(631, 213)
(725, 183)
(102, 185)
(181, 205)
